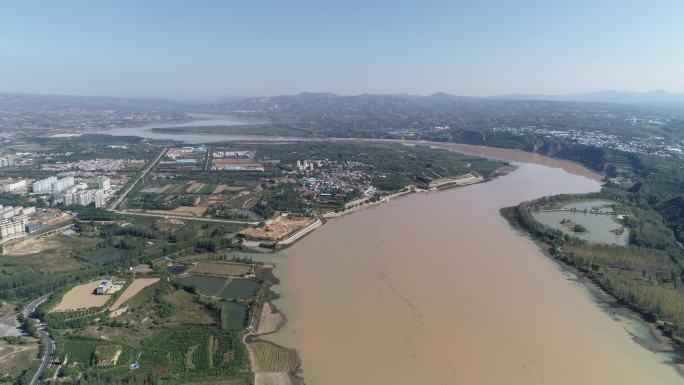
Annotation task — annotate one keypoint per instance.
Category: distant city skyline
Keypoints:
(174, 49)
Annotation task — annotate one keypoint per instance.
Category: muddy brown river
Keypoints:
(437, 288)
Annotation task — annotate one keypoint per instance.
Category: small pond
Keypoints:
(177, 269)
(237, 315)
(229, 288)
(204, 284)
(239, 288)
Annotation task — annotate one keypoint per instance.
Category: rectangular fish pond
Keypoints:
(227, 288)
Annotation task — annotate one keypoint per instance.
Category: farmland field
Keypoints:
(81, 349)
(82, 297)
(195, 354)
(269, 357)
(188, 311)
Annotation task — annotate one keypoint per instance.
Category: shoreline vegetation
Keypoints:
(659, 342)
(606, 271)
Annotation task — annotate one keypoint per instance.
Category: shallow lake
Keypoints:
(598, 224)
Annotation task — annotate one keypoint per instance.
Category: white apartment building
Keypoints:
(12, 186)
(104, 183)
(52, 184)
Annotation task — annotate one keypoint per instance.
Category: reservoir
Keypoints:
(437, 288)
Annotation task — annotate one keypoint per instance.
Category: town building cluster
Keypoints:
(307, 165)
(14, 221)
(650, 145)
(52, 185)
(325, 179)
(83, 195)
(66, 191)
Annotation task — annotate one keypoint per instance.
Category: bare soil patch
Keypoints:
(133, 289)
(15, 358)
(269, 319)
(219, 189)
(183, 211)
(276, 229)
(30, 245)
(194, 187)
(82, 297)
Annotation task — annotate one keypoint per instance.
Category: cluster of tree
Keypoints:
(96, 377)
(646, 275)
(72, 319)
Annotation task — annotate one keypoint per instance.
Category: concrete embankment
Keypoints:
(386, 198)
(294, 237)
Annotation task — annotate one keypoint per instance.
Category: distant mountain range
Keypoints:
(608, 96)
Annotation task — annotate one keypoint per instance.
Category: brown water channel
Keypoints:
(438, 289)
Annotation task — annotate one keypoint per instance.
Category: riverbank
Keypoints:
(613, 305)
(430, 293)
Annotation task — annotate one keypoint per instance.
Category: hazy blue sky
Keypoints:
(197, 48)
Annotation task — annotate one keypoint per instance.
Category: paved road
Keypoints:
(120, 199)
(49, 344)
(252, 223)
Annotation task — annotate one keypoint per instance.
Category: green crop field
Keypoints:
(194, 354)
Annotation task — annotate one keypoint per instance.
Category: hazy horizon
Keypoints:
(171, 49)
(190, 98)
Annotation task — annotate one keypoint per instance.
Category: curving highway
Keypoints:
(49, 343)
